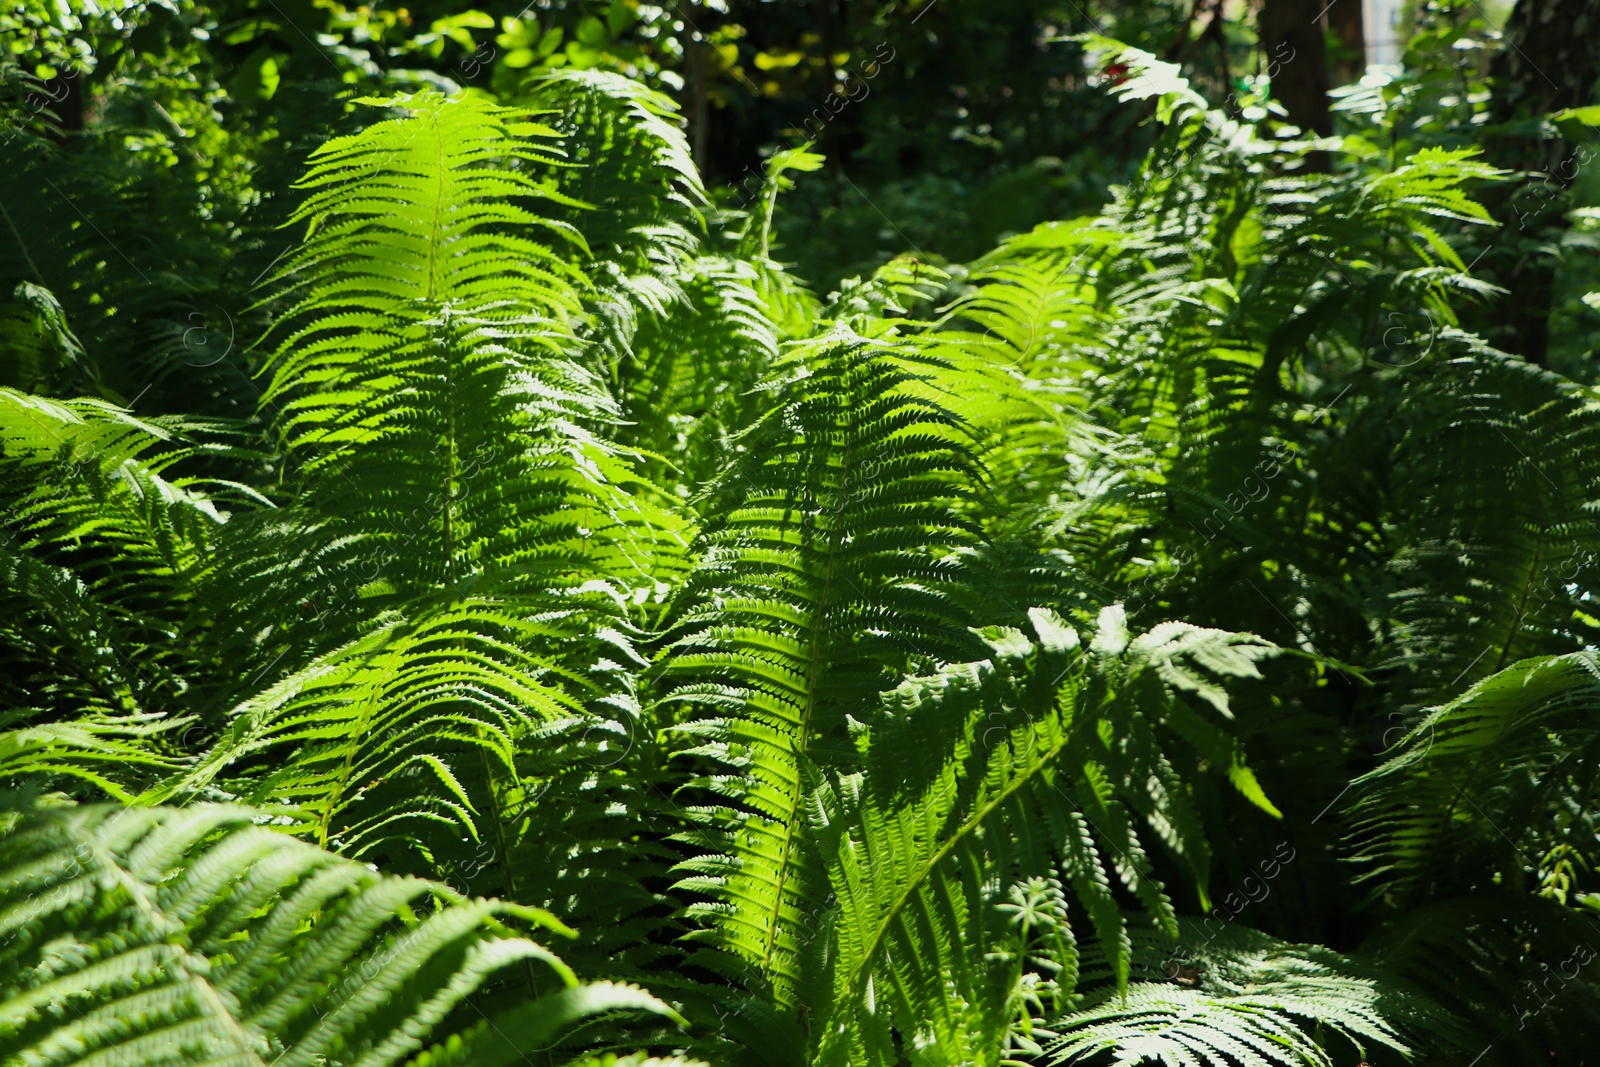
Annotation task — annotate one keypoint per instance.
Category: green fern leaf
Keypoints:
(164, 936)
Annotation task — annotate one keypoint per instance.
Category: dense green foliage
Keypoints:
(1165, 638)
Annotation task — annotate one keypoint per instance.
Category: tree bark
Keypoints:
(1296, 57)
(694, 98)
(1550, 60)
(66, 95)
(1343, 17)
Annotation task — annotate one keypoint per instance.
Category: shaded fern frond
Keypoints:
(104, 549)
(1497, 553)
(687, 383)
(627, 163)
(678, 335)
(101, 749)
(39, 351)
(1512, 974)
(1483, 788)
(396, 730)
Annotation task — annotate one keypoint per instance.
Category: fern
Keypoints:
(1508, 971)
(689, 381)
(815, 587)
(1470, 794)
(353, 737)
(985, 791)
(802, 652)
(678, 333)
(157, 936)
(445, 466)
(44, 354)
(103, 548)
(1484, 578)
(1244, 998)
(432, 385)
(634, 193)
(143, 287)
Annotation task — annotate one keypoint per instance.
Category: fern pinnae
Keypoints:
(1247, 998)
(194, 945)
(916, 852)
(768, 636)
(1410, 829)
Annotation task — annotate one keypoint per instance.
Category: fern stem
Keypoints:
(452, 467)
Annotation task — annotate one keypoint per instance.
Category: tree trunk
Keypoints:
(1550, 60)
(1296, 57)
(694, 99)
(1343, 17)
(66, 95)
(699, 107)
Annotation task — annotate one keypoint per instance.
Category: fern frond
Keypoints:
(678, 335)
(987, 792)
(1473, 793)
(1511, 974)
(103, 548)
(821, 580)
(98, 749)
(162, 936)
(40, 352)
(688, 381)
(429, 392)
(1232, 996)
(159, 326)
(1496, 554)
(635, 195)
(393, 730)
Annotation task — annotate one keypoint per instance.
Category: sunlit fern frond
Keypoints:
(1226, 995)
(990, 795)
(1039, 293)
(163, 936)
(430, 392)
(824, 576)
